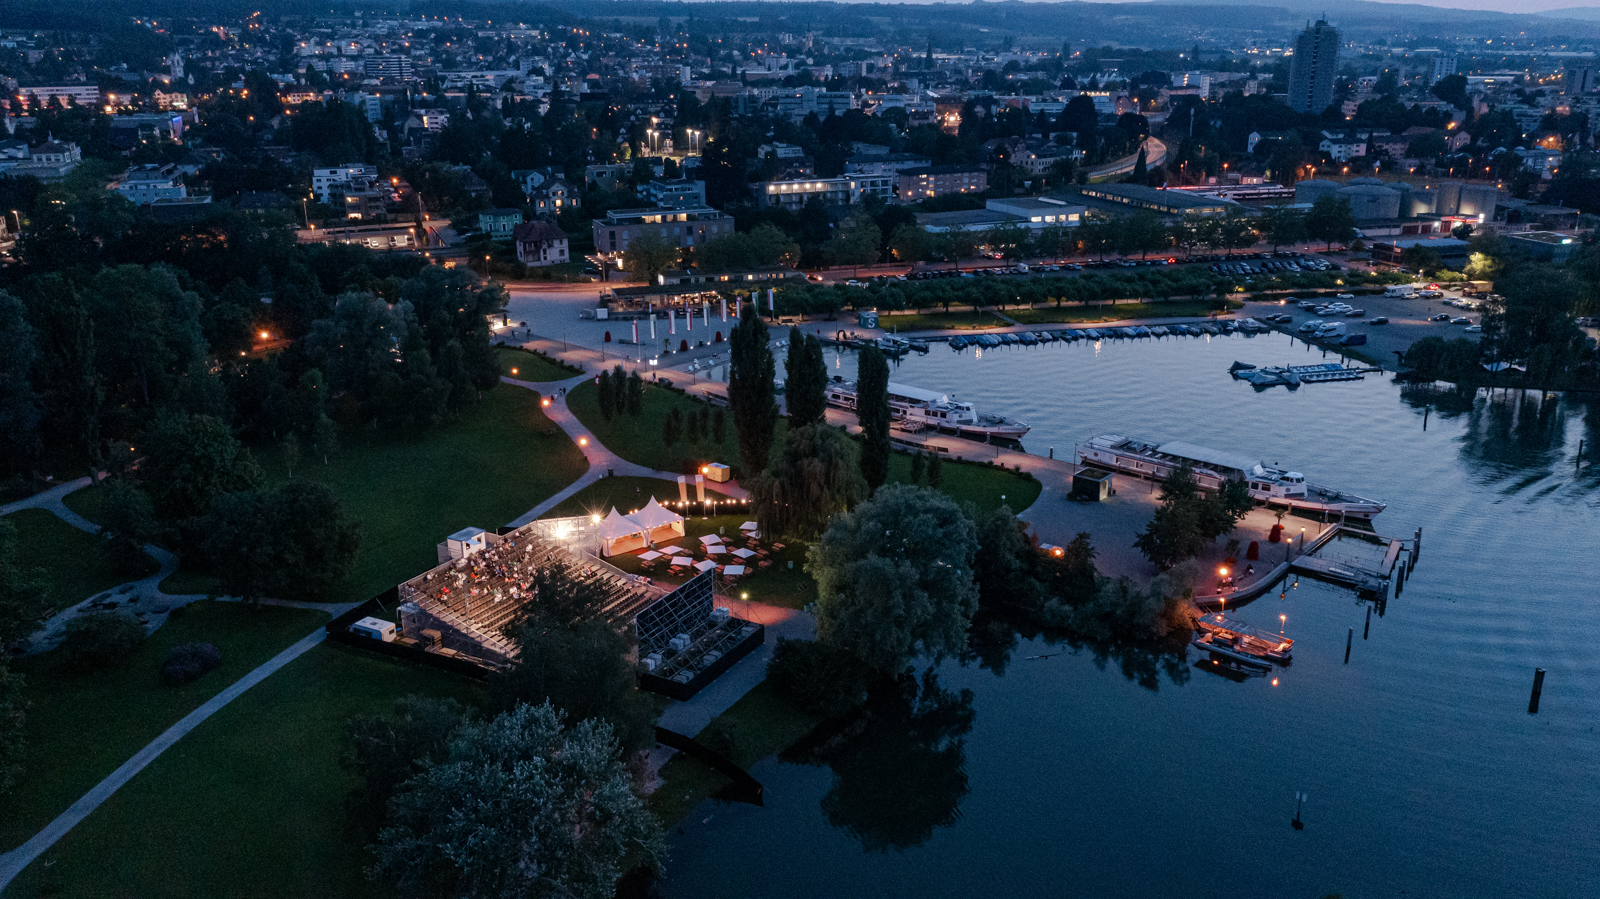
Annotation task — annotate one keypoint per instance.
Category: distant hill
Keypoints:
(1584, 13)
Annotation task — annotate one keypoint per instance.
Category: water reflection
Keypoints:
(994, 637)
(899, 770)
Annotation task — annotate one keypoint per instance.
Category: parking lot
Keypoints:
(1241, 264)
(1408, 319)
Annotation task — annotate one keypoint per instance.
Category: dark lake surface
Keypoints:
(1424, 773)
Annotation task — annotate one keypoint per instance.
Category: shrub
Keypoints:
(819, 678)
(187, 662)
(99, 639)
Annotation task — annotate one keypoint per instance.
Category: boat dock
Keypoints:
(1391, 571)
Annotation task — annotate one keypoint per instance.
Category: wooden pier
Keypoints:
(1374, 583)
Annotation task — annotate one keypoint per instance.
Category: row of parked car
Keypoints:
(1294, 263)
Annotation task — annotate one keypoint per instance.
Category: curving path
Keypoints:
(601, 460)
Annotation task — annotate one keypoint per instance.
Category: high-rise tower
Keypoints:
(1313, 67)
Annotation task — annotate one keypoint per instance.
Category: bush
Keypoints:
(818, 678)
(99, 639)
(187, 662)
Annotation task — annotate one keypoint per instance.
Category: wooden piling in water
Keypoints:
(1368, 628)
(1416, 548)
(1538, 688)
(1349, 640)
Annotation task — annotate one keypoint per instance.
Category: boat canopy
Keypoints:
(916, 393)
(1210, 457)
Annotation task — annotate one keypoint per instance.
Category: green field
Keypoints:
(530, 366)
(639, 439)
(253, 802)
(762, 723)
(80, 727)
(501, 459)
(75, 563)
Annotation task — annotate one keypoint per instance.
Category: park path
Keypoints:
(12, 863)
(602, 461)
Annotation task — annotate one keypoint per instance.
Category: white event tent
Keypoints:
(625, 533)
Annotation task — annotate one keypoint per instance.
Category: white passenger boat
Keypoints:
(1273, 486)
(928, 408)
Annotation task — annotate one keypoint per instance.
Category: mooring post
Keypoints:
(1349, 640)
(1368, 628)
(1416, 548)
(1578, 463)
(1538, 687)
(1400, 577)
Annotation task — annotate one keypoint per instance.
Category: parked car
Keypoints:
(1380, 320)
(1441, 317)
(1475, 329)
(1461, 320)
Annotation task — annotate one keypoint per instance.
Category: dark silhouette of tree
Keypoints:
(872, 410)
(751, 392)
(805, 380)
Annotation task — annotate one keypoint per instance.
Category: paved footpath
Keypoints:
(12, 863)
(602, 461)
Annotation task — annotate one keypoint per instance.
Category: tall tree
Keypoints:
(815, 476)
(1331, 221)
(289, 542)
(190, 462)
(520, 807)
(872, 410)
(894, 578)
(805, 380)
(752, 394)
(1282, 226)
(649, 255)
(855, 242)
(20, 413)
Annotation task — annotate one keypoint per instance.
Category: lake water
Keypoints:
(1424, 773)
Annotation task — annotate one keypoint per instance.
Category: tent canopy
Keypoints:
(615, 526)
(653, 516)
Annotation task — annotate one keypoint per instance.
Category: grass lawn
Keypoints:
(530, 366)
(80, 727)
(498, 462)
(639, 439)
(253, 802)
(75, 563)
(1044, 315)
(971, 482)
(88, 502)
(762, 723)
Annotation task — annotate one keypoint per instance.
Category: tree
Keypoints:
(1283, 226)
(648, 255)
(386, 751)
(919, 464)
(816, 476)
(1452, 89)
(521, 807)
(24, 592)
(606, 396)
(911, 243)
(805, 380)
(1073, 577)
(292, 541)
(99, 640)
(1331, 221)
(671, 428)
(127, 523)
(1422, 259)
(20, 413)
(751, 392)
(635, 395)
(894, 578)
(763, 247)
(13, 714)
(1006, 567)
(872, 410)
(190, 462)
(855, 242)
(1141, 171)
(1188, 519)
(935, 470)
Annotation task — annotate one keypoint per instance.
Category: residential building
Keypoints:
(387, 67)
(1443, 67)
(499, 222)
(360, 200)
(846, 190)
(681, 193)
(540, 243)
(685, 228)
(59, 95)
(324, 180)
(145, 184)
(1034, 213)
(939, 180)
(885, 164)
(1344, 147)
(1313, 68)
(552, 195)
(1580, 79)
